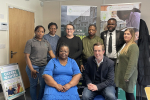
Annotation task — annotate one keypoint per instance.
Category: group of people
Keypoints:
(104, 62)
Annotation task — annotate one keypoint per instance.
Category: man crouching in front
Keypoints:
(99, 75)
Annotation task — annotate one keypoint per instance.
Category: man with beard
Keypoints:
(112, 39)
(87, 51)
(88, 43)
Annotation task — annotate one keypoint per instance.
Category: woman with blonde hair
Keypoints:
(126, 68)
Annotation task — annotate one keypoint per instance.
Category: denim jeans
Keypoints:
(108, 93)
(34, 82)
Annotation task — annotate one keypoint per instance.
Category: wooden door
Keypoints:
(21, 29)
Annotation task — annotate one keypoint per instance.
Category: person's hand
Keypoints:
(82, 68)
(89, 86)
(34, 73)
(66, 87)
(59, 87)
(126, 80)
(92, 87)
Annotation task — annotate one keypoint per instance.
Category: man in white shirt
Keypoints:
(112, 39)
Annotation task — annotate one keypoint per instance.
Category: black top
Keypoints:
(144, 55)
(98, 74)
(75, 47)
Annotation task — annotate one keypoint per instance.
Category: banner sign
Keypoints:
(11, 81)
(127, 15)
(79, 16)
(78, 10)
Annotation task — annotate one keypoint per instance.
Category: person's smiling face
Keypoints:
(63, 52)
(111, 25)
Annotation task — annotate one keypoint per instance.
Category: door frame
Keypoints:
(18, 7)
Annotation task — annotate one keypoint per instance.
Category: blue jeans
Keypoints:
(108, 93)
(34, 82)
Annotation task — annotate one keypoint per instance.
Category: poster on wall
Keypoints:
(127, 15)
(79, 16)
(11, 81)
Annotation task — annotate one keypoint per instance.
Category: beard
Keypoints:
(111, 30)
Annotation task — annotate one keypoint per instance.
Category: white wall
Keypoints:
(31, 5)
(51, 13)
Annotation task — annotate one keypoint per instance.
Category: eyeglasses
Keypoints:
(69, 29)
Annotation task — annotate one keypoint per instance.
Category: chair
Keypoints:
(99, 97)
(121, 94)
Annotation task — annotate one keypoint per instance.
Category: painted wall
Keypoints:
(31, 5)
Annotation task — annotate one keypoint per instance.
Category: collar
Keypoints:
(113, 32)
(100, 61)
(94, 59)
(34, 39)
(51, 35)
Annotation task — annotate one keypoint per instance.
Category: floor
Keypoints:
(27, 94)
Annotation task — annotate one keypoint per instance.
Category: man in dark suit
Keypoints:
(99, 75)
(113, 39)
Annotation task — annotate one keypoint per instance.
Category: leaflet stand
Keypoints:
(11, 81)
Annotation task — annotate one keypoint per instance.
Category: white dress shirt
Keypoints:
(98, 63)
(113, 54)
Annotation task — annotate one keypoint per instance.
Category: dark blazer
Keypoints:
(119, 39)
(107, 72)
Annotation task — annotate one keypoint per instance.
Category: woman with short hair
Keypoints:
(61, 75)
(36, 58)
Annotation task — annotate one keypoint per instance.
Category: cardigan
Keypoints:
(126, 69)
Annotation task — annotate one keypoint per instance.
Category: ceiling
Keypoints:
(58, 0)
